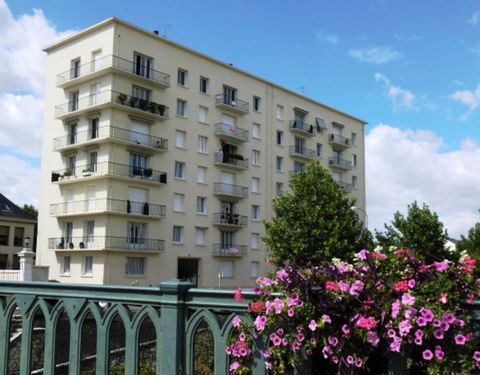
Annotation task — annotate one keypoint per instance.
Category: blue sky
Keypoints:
(409, 68)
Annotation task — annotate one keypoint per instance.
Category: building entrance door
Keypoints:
(188, 270)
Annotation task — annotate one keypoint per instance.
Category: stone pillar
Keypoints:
(26, 264)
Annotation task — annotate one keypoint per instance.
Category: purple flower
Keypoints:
(437, 323)
(358, 362)
(349, 359)
(459, 322)
(421, 321)
(439, 354)
(312, 325)
(438, 334)
(449, 318)
(332, 340)
(356, 288)
(445, 326)
(427, 314)
(404, 327)
(327, 351)
(476, 356)
(295, 345)
(326, 319)
(300, 337)
(427, 355)
(440, 266)
(280, 331)
(408, 299)
(391, 333)
(419, 333)
(418, 341)
(234, 366)
(411, 283)
(260, 322)
(282, 275)
(236, 321)
(396, 308)
(395, 344)
(345, 330)
(362, 254)
(343, 286)
(460, 339)
(372, 338)
(290, 312)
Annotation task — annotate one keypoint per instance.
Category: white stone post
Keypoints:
(26, 262)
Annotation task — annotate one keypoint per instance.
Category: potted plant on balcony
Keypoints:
(87, 172)
(152, 107)
(143, 104)
(68, 173)
(133, 102)
(161, 109)
(137, 171)
(61, 244)
(146, 209)
(121, 98)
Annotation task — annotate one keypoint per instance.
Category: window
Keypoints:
(204, 85)
(179, 139)
(66, 265)
(354, 139)
(94, 127)
(256, 104)
(319, 149)
(73, 100)
(279, 189)
(141, 93)
(256, 130)
(178, 202)
(299, 145)
(202, 144)
(138, 164)
(255, 185)
(182, 76)
(72, 162)
(297, 166)
(142, 65)
(200, 236)
(255, 212)
(226, 269)
(354, 160)
(18, 236)
(254, 241)
(88, 265)
(279, 112)
(72, 134)
(4, 233)
(229, 96)
(92, 165)
(354, 182)
(201, 205)
(180, 170)
(203, 114)
(255, 157)
(177, 234)
(68, 232)
(279, 164)
(279, 137)
(320, 123)
(181, 108)
(96, 63)
(94, 93)
(75, 68)
(202, 175)
(254, 269)
(135, 266)
(136, 234)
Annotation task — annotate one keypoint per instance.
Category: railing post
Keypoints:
(172, 359)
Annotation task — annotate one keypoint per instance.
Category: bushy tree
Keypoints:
(421, 231)
(314, 221)
(471, 243)
(30, 210)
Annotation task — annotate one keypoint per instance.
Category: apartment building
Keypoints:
(160, 162)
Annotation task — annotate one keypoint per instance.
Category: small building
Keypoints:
(15, 225)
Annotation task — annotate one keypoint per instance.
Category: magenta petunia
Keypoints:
(312, 325)
(460, 339)
(427, 355)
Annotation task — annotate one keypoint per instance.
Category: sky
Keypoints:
(408, 68)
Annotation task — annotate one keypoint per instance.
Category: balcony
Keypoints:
(105, 133)
(231, 133)
(339, 141)
(108, 205)
(345, 186)
(230, 191)
(109, 243)
(237, 106)
(301, 128)
(337, 163)
(109, 169)
(233, 161)
(227, 220)
(302, 153)
(109, 98)
(231, 251)
(111, 63)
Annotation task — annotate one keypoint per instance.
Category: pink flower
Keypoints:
(396, 308)
(438, 334)
(408, 299)
(362, 254)
(411, 283)
(372, 338)
(476, 356)
(349, 359)
(427, 314)
(421, 321)
(345, 330)
(443, 297)
(449, 318)
(367, 323)
(238, 295)
(332, 340)
(327, 351)
(343, 286)
(290, 312)
(282, 275)
(356, 288)
(358, 362)
(395, 344)
(439, 354)
(300, 337)
(404, 327)
(331, 286)
(460, 339)
(295, 345)
(427, 355)
(326, 319)
(268, 365)
(441, 266)
(312, 325)
(236, 321)
(260, 322)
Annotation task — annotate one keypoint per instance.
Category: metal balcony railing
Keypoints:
(339, 140)
(345, 186)
(303, 152)
(110, 96)
(106, 243)
(233, 160)
(221, 188)
(110, 168)
(236, 105)
(109, 205)
(301, 127)
(116, 62)
(112, 132)
(335, 161)
(229, 250)
(222, 218)
(231, 132)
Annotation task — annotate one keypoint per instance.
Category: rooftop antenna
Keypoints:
(164, 28)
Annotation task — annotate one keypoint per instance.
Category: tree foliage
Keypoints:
(421, 231)
(30, 210)
(471, 243)
(314, 221)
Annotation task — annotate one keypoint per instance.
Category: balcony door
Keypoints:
(187, 270)
(139, 133)
(138, 199)
(229, 95)
(89, 233)
(96, 60)
(142, 66)
(72, 136)
(299, 145)
(227, 241)
(94, 93)
(137, 233)
(91, 202)
(70, 202)
(68, 233)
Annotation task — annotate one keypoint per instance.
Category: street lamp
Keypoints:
(364, 212)
(27, 242)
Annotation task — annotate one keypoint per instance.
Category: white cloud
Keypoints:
(401, 99)
(329, 38)
(20, 180)
(475, 18)
(375, 55)
(406, 165)
(469, 98)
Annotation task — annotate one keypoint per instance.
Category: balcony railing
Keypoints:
(116, 62)
(111, 132)
(231, 132)
(303, 152)
(340, 163)
(106, 243)
(230, 250)
(236, 105)
(112, 169)
(105, 97)
(301, 127)
(232, 160)
(228, 219)
(229, 190)
(109, 205)
(345, 186)
(339, 140)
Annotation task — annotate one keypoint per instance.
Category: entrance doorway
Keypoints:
(188, 270)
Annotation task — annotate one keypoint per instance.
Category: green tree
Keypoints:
(421, 231)
(314, 221)
(471, 243)
(30, 210)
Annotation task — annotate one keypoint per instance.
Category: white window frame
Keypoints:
(255, 212)
(178, 202)
(67, 265)
(182, 77)
(256, 130)
(87, 265)
(180, 139)
(180, 167)
(255, 185)
(200, 236)
(254, 241)
(199, 174)
(255, 159)
(202, 144)
(201, 205)
(207, 81)
(280, 134)
(178, 234)
(254, 269)
(135, 266)
(279, 112)
(279, 164)
(182, 108)
(202, 109)
(222, 269)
